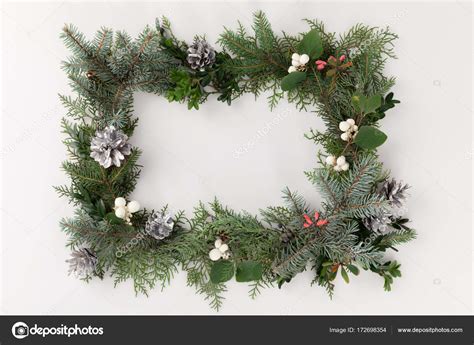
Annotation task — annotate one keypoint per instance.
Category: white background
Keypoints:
(190, 156)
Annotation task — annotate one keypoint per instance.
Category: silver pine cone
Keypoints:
(378, 224)
(396, 195)
(110, 146)
(159, 225)
(82, 262)
(200, 54)
(395, 192)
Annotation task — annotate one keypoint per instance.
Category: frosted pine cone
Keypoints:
(396, 194)
(286, 234)
(82, 262)
(110, 146)
(378, 224)
(159, 225)
(200, 54)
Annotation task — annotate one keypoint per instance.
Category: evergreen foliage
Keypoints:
(106, 71)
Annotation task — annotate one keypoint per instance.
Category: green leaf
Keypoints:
(370, 137)
(311, 44)
(281, 281)
(248, 271)
(113, 219)
(365, 104)
(168, 42)
(372, 104)
(354, 270)
(358, 101)
(222, 271)
(292, 80)
(344, 275)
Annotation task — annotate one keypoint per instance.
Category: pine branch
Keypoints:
(78, 44)
(135, 60)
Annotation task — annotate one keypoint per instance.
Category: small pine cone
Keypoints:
(378, 224)
(82, 262)
(395, 192)
(286, 235)
(110, 146)
(200, 54)
(159, 225)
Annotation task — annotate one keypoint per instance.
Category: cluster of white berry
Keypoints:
(221, 250)
(298, 62)
(349, 128)
(124, 210)
(339, 163)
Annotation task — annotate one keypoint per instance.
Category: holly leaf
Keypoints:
(369, 137)
(292, 80)
(248, 271)
(221, 271)
(311, 44)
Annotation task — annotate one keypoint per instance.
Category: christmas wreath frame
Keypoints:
(341, 78)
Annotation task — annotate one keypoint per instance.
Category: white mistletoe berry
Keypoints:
(124, 210)
(120, 202)
(295, 56)
(298, 62)
(338, 164)
(224, 248)
(220, 250)
(215, 254)
(331, 160)
(344, 126)
(341, 160)
(349, 128)
(133, 206)
(120, 212)
(304, 59)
